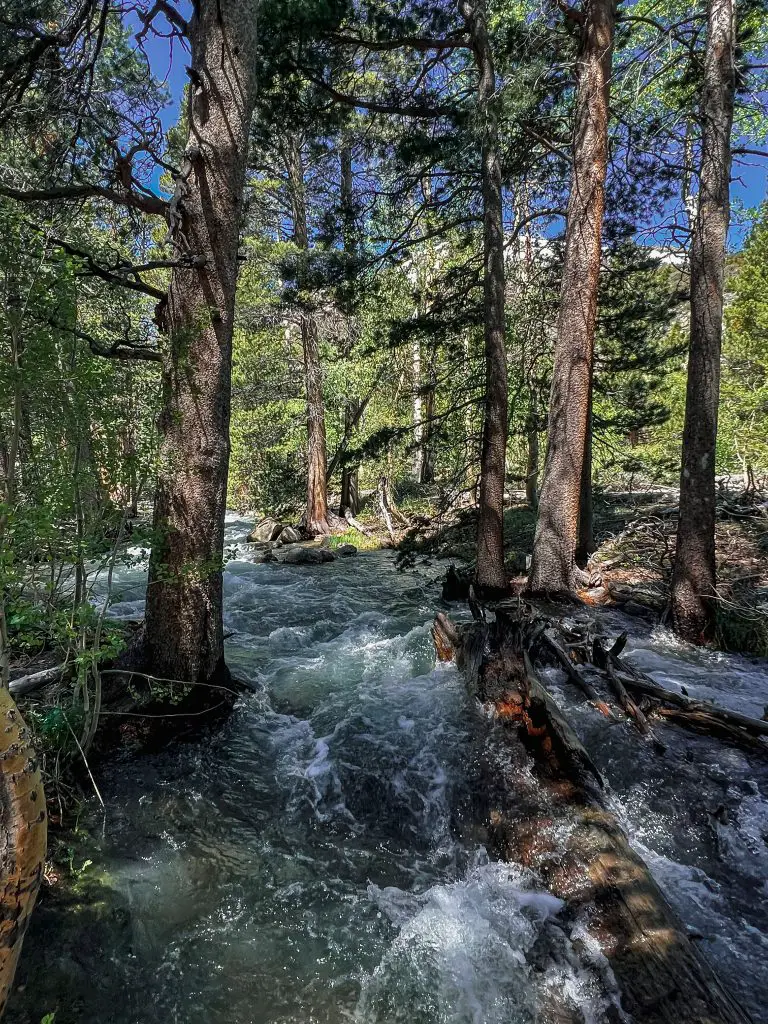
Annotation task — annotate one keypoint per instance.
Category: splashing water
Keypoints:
(317, 861)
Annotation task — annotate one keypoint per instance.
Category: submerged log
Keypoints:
(23, 835)
(558, 823)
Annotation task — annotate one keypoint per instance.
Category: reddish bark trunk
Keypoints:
(585, 545)
(553, 563)
(316, 516)
(694, 576)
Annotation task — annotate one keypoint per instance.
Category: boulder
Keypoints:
(308, 556)
(289, 535)
(346, 550)
(266, 530)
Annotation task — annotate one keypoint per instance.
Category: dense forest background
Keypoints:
(485, 279)
(362, 227)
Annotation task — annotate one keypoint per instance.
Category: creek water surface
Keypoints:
(317, 859)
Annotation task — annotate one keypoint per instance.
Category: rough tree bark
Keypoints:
(585, 544)
(694, 579)
(350, 491)
(23, 836)
(183, 629)
(317, 453)
(532, 463)
(553, 563)
(490, 571)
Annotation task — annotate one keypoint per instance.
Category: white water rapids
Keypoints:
(316, 860)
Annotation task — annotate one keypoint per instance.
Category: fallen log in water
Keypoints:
(23, 833)
(558, 823)
(698, 715)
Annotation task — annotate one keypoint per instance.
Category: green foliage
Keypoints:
(360, 540)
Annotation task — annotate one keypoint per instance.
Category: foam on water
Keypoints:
(316, 860)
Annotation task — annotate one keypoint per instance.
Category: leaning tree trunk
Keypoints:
(183, 628)
(23, 833)
(693, 579)
(553, 563)
(490, 572)
(317, 453)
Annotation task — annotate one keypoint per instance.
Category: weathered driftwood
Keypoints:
(355, 524)
(625, 681)
(558, 823)
(574, 675)
(35, 680)
(386, 511)
(698, 714)
(23, 835)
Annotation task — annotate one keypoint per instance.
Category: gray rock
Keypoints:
(289, 535)
(642, 611)
(346, 550)
(268, 529)
(308, 556)
(297, 556)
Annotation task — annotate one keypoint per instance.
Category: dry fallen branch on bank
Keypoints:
(36, 680)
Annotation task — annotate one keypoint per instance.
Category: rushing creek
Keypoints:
(318, 859)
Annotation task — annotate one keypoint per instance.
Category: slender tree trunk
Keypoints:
(317, 463)
(532, 467)
(693, 579)
(349, 474)
(317, 453)
(183, 628)
(585, 544)
(490, 571)
(553, 564)
(427, 462)
(418, 410)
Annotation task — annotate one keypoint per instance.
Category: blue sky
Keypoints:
(168, 59)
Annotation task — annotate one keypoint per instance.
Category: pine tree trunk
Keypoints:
(553, 563)
(585, 544)
(490, 572)
(532, 466)
(316, 516)
(694, 579)
(183, 629)
(350, 491)
(427, 467)
(418, 411)
(317, 454)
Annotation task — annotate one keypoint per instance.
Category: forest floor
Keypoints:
(635, 538)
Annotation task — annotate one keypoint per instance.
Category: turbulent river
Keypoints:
(318, 860)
